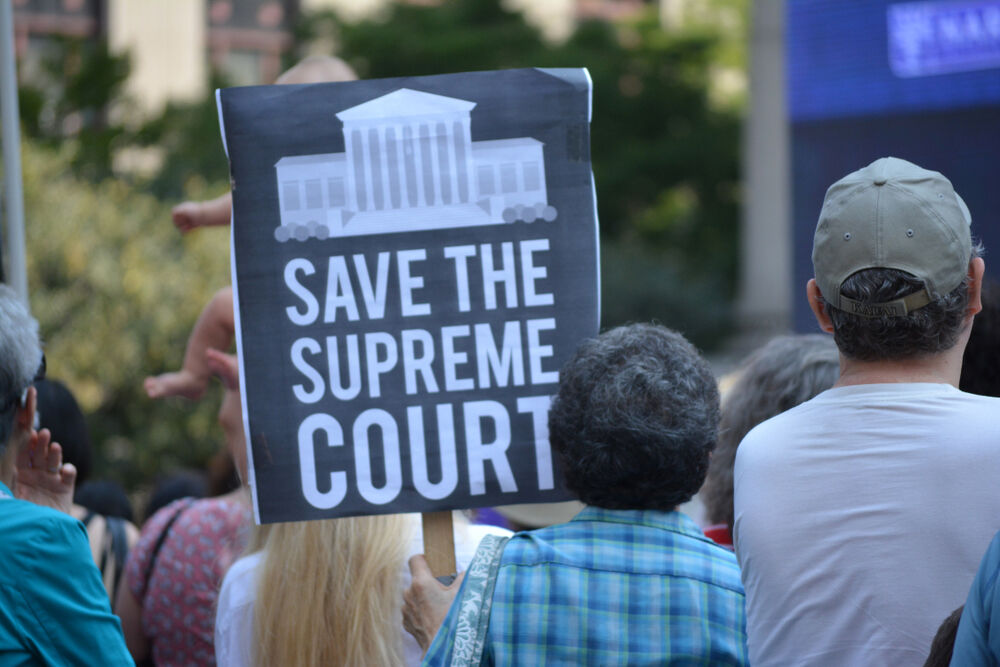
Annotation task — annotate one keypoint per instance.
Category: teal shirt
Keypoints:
(53, 607)
(977, 640)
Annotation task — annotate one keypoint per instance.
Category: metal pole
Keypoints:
(765, 301)
(9, 117)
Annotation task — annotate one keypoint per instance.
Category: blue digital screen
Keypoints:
(872, 78)
(861, 57)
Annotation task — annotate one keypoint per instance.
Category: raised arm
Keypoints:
(214, 329)
(192, 214)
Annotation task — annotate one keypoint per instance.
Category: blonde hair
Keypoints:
(258, 538)
(329, 592)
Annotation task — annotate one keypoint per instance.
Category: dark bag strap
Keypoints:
(183, 505)
(119, 550)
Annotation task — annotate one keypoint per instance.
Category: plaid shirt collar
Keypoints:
(675, 522)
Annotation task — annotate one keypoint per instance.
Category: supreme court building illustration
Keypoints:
(410, 164)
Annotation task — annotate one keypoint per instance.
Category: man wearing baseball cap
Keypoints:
(862, 514)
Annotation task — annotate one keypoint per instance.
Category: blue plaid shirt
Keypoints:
(612, 587)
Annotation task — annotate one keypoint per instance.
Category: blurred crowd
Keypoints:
(848, 480)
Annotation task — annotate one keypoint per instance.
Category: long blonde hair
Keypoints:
(329, 592)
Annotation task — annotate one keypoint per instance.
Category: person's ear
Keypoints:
(819, 310)
(977, 268)
(24, 417)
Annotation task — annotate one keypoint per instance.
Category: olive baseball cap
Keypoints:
(892, 214)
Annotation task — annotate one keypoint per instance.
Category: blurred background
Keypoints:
(717, 126)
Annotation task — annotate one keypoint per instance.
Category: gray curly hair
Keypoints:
(635, 419)
(787, 371)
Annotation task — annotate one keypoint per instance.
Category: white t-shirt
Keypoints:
(861, 517)
(234, 618)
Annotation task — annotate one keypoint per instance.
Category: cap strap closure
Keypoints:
(896, 308)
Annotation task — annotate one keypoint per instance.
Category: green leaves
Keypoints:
(665, 149)
(116, 289)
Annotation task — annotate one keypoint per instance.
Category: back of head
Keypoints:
(20, 357)
(59, 412)
(981, 363)
(317, 69)
(787, 371)
(329, 592)
(635, 419)
(891, 255)
(177, 485)
(104, 497)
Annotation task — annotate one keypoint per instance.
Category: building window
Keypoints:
(314, 195)
(532, 177)
(508, 178)
(290, 195)
(335, 192)
(486, 184)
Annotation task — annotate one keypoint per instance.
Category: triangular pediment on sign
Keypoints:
(405, 102)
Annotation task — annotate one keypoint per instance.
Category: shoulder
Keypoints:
(40, 529)
(156, 523)
(239, 586)
(242, 573)
(705, 560)
(800, 415)
(629, 542)
(17, 511)
(214, 515)
(224, 514)
(467, 539)
(768, 440)
(977, 404)
(234, 613)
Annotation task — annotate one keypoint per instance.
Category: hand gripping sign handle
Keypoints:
(439, 545)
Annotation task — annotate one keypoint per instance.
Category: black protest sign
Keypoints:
(414, 259)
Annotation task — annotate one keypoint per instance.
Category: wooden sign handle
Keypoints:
(439, 543)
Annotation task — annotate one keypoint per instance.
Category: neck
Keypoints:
(943, 368)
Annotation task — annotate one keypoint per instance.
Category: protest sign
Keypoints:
(413, 261)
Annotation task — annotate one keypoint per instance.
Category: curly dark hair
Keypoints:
(635, 419)
(928, 330)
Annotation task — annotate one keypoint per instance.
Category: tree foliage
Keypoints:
(68, 96)
(188, 135)
(666, 160)
(116, 289)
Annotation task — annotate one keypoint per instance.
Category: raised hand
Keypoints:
(41, 476)
(179, 383)
(187, 216)
(192, 214)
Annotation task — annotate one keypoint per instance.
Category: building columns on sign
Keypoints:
(405, 165)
